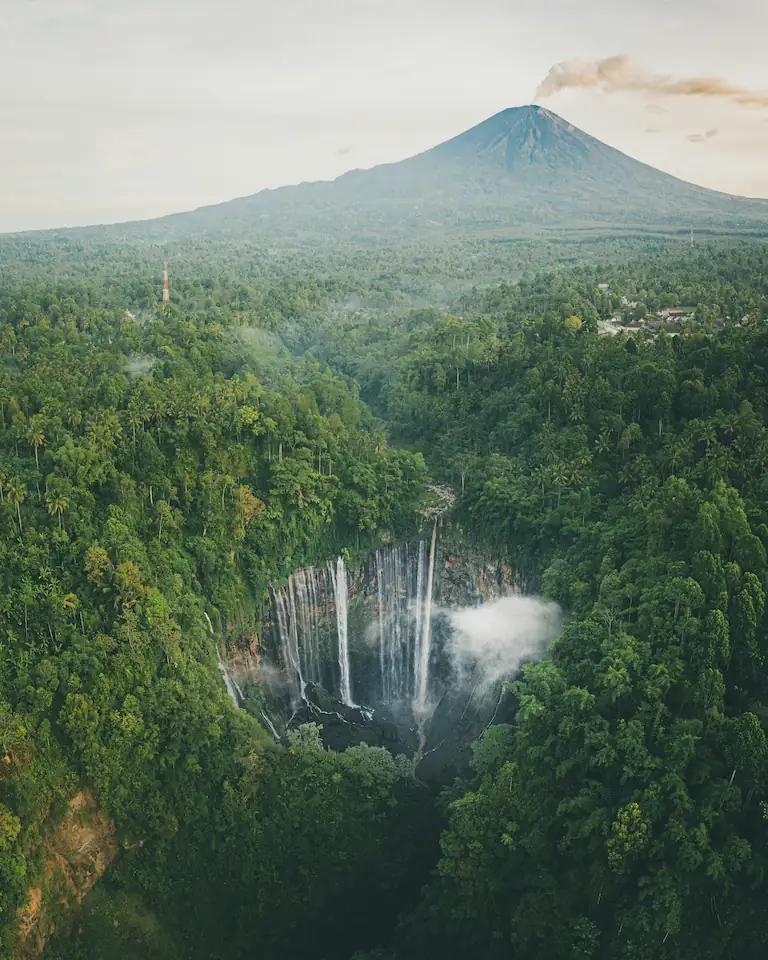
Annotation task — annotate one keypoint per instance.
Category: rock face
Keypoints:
(77, 853)
(243, 660)
(386, 614)
(344, 726)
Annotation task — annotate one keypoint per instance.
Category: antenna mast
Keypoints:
(165, 284)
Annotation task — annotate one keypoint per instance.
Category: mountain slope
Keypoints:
(522, 168)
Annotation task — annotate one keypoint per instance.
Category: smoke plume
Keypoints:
(491, 642)
(620, 74)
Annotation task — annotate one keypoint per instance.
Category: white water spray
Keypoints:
(422, 674)
(235, 694)
(270, 725)
(341, 595)
(289, 639)
(491, 642)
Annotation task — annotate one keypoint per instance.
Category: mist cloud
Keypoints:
(702, 137)
(140, 366)
(621, 74)
(492, 642)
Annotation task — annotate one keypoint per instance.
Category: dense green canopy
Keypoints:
(158, 467)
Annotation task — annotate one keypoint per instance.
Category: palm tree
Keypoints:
(57, 504)
(706, 433)
(17, 491)
(559, 478)
(74, 418)
(603, 443)
(35, 436)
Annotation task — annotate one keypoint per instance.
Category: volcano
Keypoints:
(524, 168)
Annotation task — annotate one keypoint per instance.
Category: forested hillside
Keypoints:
(161, 468)
(625, 814)
(152, 474)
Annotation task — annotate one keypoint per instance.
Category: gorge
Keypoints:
(395, 650)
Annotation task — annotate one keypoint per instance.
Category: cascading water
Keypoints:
(307, 609)
(404, 582)
(341, 596)
(235, 694)
(424, 637)
(393, 580)
(289, 642)
(313, 630)
(422, 667)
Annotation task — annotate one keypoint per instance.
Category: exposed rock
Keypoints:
(76, 855)
(344, 726)
(243, 660)
(464, 576)
(457, 722)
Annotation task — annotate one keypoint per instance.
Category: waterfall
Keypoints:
(404, 582)
(270, 725)
(312, 620)
(289, 640)
(422, 673)
(341, 596)
(304, 619)
(394, 588)
(235, 694)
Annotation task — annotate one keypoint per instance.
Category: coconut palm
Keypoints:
(17, 491)
(57, 503)
(35, 436)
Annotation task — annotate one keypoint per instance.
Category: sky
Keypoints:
(113, 110)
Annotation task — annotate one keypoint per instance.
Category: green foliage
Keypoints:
(623, 814)
(157, 467)
(135, 497)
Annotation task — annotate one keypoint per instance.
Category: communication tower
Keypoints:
(165, 284)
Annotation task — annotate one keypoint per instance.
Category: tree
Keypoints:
(57, 503)
(17, 492)
(35, 436)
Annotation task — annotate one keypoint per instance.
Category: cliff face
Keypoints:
(76, 854)
(242, 659)
(383, 607)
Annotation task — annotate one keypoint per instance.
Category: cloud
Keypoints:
(702, 137)
(342, 151)
(620, 74)
(494, 640)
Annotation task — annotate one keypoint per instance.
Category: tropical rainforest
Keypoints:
(159, 469)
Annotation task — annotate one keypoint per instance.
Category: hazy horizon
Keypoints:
(113, 113)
